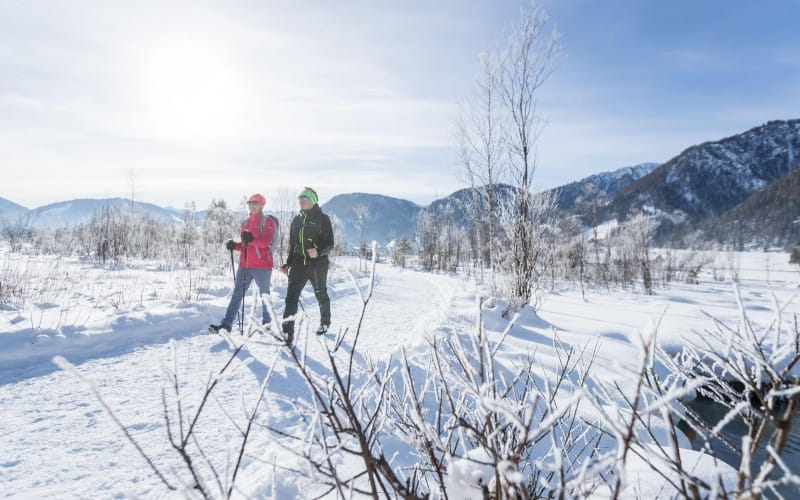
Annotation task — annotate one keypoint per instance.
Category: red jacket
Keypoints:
(259, 254)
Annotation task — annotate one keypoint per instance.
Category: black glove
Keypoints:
(247, 237)
(230, 245)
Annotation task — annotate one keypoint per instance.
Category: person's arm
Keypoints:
(292, 244)
(325, 245)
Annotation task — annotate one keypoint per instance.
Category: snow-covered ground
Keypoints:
(115, 325)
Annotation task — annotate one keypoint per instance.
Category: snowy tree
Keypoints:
(526, 64)
(401, 251)
(427, 236)
(188, 235)
(285, 205)
(480, 149)
(16, 230)
(362, 216)
(589, 202)
(110, 233)
(575, 241)
(526, 259)
(640, 230)
(338, 234)
(219, 226)
(149, 238)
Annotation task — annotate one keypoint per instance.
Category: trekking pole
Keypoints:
(244, 282)
(233, 270)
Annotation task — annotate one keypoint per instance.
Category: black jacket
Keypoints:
(310, 229)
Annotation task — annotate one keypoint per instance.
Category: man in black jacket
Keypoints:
(310, 242)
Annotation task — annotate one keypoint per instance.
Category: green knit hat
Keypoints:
(310, 194)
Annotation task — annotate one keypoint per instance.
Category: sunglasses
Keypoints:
(253, 202)
(303, 197)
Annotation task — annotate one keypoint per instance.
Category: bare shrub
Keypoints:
(752, 372)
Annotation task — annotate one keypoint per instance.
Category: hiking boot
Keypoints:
(216, 328)
(323, 329)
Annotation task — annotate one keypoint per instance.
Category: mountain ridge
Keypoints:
(711, 178)
(705, 187)
(10, 209)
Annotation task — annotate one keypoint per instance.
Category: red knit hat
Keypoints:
(257, 197)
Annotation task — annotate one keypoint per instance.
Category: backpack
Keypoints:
(276, 236)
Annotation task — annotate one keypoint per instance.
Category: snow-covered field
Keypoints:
(115, 325)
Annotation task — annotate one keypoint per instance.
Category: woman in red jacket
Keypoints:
(255, 261)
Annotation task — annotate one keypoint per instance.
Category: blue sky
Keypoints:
(189, 101)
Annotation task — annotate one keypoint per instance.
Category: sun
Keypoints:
(190, 91)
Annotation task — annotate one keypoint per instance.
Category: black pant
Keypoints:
(315, 271)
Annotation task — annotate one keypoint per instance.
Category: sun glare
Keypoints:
(190, 92)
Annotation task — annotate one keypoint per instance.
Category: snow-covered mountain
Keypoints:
(604, 184)
(9, 209)
(711, 178)
(767, 218)
(461, 201)
(700, 184)
(80, 211)
(385, 218)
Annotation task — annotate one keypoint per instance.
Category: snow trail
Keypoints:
(55, 437)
